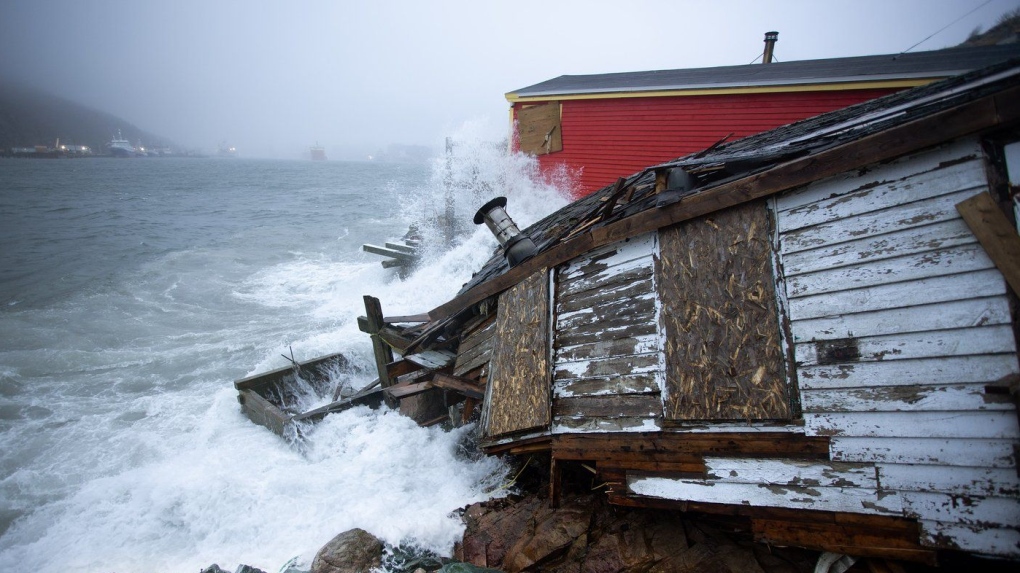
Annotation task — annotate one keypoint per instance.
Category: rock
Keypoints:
(248, 569)
(214, 568)
(458, 567)
(354, 551)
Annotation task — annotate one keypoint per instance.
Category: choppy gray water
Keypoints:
(132, 293)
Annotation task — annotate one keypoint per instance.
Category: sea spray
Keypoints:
(125, 447)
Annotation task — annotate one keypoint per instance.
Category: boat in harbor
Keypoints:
(226, 150)
(120, 147)
(318, 152)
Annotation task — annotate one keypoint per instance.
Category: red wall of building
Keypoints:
(610, 138)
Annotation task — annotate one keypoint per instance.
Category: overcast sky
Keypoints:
(273, 77)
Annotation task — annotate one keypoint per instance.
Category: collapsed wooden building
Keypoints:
(812, 329)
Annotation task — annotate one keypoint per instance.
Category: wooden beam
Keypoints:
(405, 389)
(391, 253)
(995, 233)
(383, 353)
(400, 368)
(463, 385)
(400, 247)
(965, 119)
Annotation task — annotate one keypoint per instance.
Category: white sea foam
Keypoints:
(132, 452)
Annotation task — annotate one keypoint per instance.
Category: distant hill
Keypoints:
(1005, 31)
(30, 117)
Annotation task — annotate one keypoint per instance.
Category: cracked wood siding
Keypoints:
(517, 393)
(607, 370)
(725, 358)
(901, 324)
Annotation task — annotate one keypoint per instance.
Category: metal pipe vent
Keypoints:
(516, 247)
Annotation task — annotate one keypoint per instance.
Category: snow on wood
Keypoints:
(605, 425)
(993, 453)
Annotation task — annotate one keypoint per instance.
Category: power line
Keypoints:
(946, 26)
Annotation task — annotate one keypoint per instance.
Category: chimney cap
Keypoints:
(480, 215)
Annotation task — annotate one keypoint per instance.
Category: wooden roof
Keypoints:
(882, 69)
(734, 172)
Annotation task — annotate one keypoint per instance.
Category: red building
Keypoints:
(606, 126)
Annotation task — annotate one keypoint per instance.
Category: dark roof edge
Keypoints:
(968, 118)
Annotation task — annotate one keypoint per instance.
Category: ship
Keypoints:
(120, 147)
(226, 150)
(318, 152)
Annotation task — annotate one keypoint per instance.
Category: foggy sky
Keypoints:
(274, 77)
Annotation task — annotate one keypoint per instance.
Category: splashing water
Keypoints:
(125, 449)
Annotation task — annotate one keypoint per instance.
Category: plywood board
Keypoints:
(518, 393)
(538, 128)
(724, 356)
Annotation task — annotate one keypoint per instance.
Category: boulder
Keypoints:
(354, 551)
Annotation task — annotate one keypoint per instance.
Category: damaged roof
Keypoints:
(724, 174)
(912, 66)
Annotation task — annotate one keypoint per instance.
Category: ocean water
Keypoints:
(133, 293)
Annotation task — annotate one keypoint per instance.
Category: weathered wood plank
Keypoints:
(517, 396)
(602, 259)
(986, 540)
(985, 453)
(844, 539)
(391, 253)
(607, 309)
(475, 358)
(639, 286)
(383, 353)
(976, 510)
(619, 277)
(795, 473)
(405, 389)
(1000, 482)
(966, 258)
(942, 235)
(998, 237)
(960, 150)
(617, 347)
(614, 365)
(733, 443)
(604, 425)
(926, 371)
(923, 291)
(988, 424)
(817, 498)
(941, 316)
(612, 406)
(876, 195)
(994, 339)
(617, 329)
(970, 397)
(724, 356)
(627, 384)
(466, 387)
(431, 359)
(925, 212)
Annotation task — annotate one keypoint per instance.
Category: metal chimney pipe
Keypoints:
(516, 247)
(770, 45)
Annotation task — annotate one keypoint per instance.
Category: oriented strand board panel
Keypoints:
(539, 129)
(723, 348)
(517, 397)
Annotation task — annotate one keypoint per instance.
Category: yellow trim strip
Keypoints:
(512, 97)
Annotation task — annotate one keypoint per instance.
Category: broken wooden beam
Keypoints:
(391, 253)
(405, 389)
(997, 236)
(463, 385)
(383, 353)
(401, 247)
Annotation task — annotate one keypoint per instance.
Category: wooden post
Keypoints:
(996, 235)
(555, 477)
(383, 353)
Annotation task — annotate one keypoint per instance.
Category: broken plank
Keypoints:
(996, 235)
(405, 389)
(393, 254)
(466, 387)
(432, 359)
(400, 247)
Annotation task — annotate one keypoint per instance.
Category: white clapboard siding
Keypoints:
(963, 259)
(958, 342)
(904, 167)
(933, 453)
(790, 472)
(924, 291)
(606, 344)
(902, 336)
(941, 316)
(995, 482)
(977, 539)
(816, 498)
(951, 233)
(926, 371)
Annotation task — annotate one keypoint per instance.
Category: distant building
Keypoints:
(609, 125)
